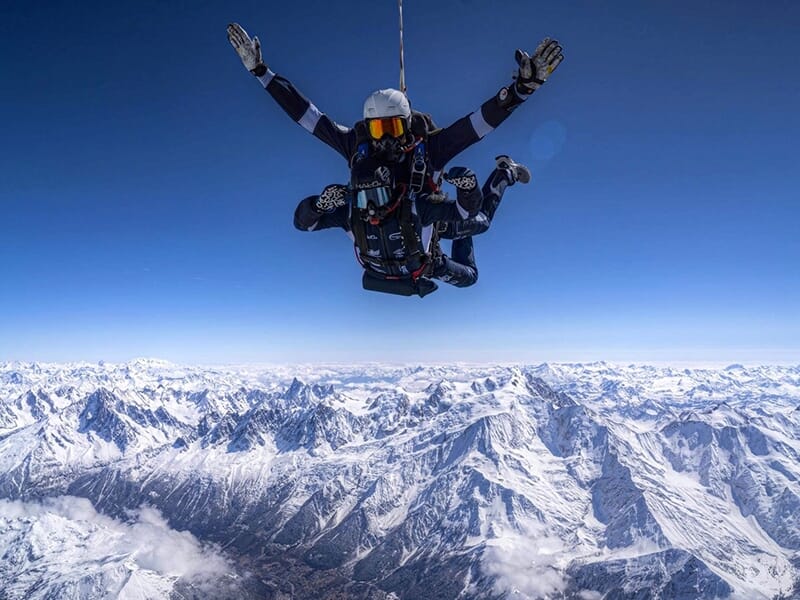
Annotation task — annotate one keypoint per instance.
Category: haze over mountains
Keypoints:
(149, 479)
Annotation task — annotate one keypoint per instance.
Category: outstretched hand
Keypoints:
(534, 70)
(249, 50)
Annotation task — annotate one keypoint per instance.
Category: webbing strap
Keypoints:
(361, 153)
(418, 169)
(402, 62)
(358, 227)
(410, 239)
(411, 243)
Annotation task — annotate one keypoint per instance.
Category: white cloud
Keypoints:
(160, 548)
(70, 530)
(526, 567)
(527, 560)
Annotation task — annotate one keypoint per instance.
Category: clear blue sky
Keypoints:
(147, 182)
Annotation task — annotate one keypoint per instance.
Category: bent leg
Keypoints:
(493, 191)
(460, 270)
(466, 228)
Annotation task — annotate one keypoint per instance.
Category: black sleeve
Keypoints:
(450, 141)
(302, 111)
(307, 218)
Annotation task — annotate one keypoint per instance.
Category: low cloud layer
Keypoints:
(66, 530)
(525, 567)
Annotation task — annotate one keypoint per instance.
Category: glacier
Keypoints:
(399, 481)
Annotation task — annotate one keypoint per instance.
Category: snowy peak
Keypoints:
(403, 482)
(101, 418)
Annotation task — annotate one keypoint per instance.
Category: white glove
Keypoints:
(534, 70)
(249, 50)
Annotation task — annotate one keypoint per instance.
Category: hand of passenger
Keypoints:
(331, 198)
(462, 177)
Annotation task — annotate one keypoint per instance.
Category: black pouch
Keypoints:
(401, 287)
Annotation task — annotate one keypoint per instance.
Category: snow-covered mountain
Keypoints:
(378, 481)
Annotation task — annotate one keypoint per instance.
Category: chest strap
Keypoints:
(414, 255)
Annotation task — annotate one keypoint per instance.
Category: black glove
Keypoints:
(249, 50)
(534, 70)
(331, 198)
(461, 177)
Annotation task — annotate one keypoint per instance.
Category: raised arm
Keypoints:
(532, 72)
(295, 104)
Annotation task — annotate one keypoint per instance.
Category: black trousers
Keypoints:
(459, 269)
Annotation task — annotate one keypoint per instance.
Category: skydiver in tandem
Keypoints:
(393, 207)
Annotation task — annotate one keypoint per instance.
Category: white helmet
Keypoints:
(387, 103)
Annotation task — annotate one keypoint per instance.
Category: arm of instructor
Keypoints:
(531, 74)
(295, 104)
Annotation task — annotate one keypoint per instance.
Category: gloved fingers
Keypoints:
(231, 31)
(234, 40)
(257, 45)
(555, 63)
(541, 57)
(521, 56)
(548, 56)
(332, 197)
(552, 51)
(318, 203)
(462, 178)
(243, 47)
(241, 34)
(540, 48)
(458, 172)
(237, 36)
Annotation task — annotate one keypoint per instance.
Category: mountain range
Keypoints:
(149, 480)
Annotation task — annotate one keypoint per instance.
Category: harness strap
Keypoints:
(418, 179)
(411, 243)
(362, 150)
(359, 229)
(410, 239)
(419, 168)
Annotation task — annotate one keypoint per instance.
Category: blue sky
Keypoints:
(147, 183)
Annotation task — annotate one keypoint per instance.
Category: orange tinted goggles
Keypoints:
(393, 126)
